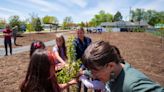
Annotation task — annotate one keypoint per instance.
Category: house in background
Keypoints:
(123, 26)
(50, 26)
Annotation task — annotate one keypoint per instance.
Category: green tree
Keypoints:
(50, 20)
(82, 24)
(31, 22)
(158, 18)
(14, 20)
(2, 23)
(138, 14)
(101, 17)
(66, 22)
(151, 16)
(117, 16)
(38, 26)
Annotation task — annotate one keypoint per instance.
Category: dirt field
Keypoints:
(142, 50)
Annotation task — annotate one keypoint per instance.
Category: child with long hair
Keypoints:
(41, 75)
(60, 51)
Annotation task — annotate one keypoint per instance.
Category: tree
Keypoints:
(2, 23)
(32, 22)
(14, 20)
(50, 20)
(38, 26)
(82, 24)
(101, 17)
(117, 16)
(158, 18)
(151, 16)
(66, 22)
(138, 14)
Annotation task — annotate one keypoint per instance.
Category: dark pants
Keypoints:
(15, 38)
(79, 87)
(8, 42)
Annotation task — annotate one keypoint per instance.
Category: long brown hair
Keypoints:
(40, 75)
(63, 46)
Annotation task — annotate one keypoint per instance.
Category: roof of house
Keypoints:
(124, 24)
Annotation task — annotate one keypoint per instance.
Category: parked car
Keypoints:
(1, 30)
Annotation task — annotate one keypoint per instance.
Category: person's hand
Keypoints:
(73, 81)
(59, 66)
(63, 63)
(66, 65)
(81, 72)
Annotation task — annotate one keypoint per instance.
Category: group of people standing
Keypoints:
(101, 62)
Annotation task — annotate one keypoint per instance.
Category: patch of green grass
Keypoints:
(158, 33)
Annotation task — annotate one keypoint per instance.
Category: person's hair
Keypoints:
(40, 75)
(81, 29)
(119, 54)
(99, 54)
(7, 25)
(36, 45)
(63, 46)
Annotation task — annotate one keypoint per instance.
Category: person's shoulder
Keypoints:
(88, 39)
(76, 40)
(135, 79)
(55, 48)
(4, 30)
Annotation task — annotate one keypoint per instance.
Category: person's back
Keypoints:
(15, 30)
(40, 75)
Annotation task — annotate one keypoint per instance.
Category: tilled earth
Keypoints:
(141, 50)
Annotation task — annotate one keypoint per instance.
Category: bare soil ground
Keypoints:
(142, 50)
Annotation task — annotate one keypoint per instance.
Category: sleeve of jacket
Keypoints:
(145, 85)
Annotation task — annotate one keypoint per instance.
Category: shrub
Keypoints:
(70, 71)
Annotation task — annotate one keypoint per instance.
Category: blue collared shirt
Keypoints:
(80, 46)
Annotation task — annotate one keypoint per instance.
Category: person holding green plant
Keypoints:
(80, 44)
(60, 51)
(41, 75)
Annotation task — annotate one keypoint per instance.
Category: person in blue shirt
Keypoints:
(80, 43)
(106, 65)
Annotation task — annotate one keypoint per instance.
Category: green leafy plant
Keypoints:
(70, 71)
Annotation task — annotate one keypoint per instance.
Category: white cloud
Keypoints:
(6, 10)
(79, 10)
(72, 3)
(154, 5)
(81, 3)
(48, 6)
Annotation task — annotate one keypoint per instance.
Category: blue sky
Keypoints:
(79, 10)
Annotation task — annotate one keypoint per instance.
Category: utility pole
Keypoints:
(130, 14)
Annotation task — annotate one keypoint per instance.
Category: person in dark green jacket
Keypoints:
(107, 65)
